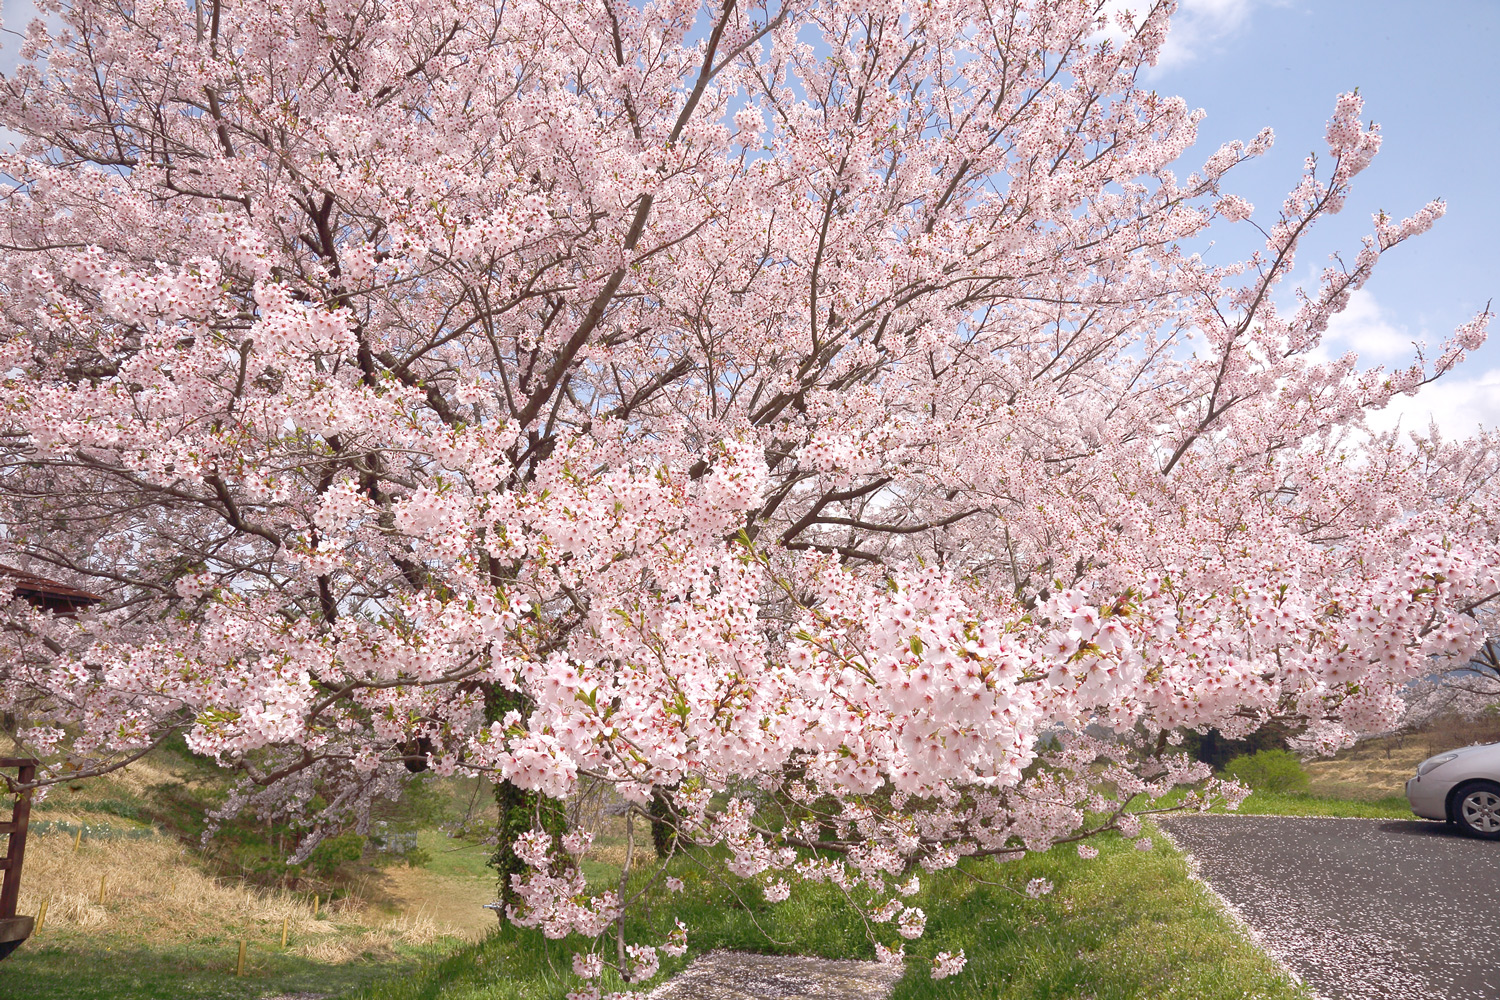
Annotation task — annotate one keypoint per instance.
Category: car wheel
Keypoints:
(1476, 809)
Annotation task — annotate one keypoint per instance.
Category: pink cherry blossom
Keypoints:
(945, 964)
(806, 422)
(587, 965)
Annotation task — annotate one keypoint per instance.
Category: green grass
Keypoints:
(1283, 804)
(1263, 803)
(73, 966)
(121, 804)
(1126, 925)
(453, 856)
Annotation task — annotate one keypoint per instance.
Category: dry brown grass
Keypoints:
(610, 842)
(452, 906)
(135, 779)
(1365, 773)
(1378, 768)
(154, 890)
(374, 942)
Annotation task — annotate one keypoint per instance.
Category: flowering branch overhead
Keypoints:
(812, 404)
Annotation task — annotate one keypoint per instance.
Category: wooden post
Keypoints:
(41, 916)
(315, 906)
(239, 966)
(101, 888)
(15, 847)
(283, 931)
(77, 838)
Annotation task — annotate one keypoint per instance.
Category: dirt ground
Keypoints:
(455, 903)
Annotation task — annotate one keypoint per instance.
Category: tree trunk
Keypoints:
(518, 810)
(662, 832)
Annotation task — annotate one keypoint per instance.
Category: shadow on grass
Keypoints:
(74, 970)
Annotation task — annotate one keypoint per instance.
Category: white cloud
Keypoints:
(1364, 328)
(1459, 402)
(1459, 406)
(1196, 27)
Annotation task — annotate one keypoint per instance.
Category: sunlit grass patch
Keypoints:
(1281, 804)
(1129, 924)
(1264, 803)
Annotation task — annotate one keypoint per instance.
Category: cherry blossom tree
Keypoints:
(1457, 688)
(813, 421)
(1479, 678)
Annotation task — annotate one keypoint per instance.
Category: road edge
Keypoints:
(1233, 914)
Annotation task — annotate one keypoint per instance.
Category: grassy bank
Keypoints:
(137, 908)
(1282, 804)
(141, 919)
(1129, 924)
(1264, 803)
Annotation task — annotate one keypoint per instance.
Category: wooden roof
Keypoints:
(44, 592)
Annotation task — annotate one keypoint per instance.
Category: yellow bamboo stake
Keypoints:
(239, 966)
(283, 931)
(315, 906)
(77, 839)
(101, 888)
(41, 916)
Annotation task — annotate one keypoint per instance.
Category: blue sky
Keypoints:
(1430, 74)
(1429, 71)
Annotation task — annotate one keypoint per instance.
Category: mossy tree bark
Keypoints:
(518, 810)
(663, 833)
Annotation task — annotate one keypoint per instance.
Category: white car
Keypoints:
(1461, 786)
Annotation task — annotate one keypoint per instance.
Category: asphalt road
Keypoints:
(1360, 908)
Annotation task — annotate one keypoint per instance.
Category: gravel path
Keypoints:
(733, 975)
(1360, 908)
